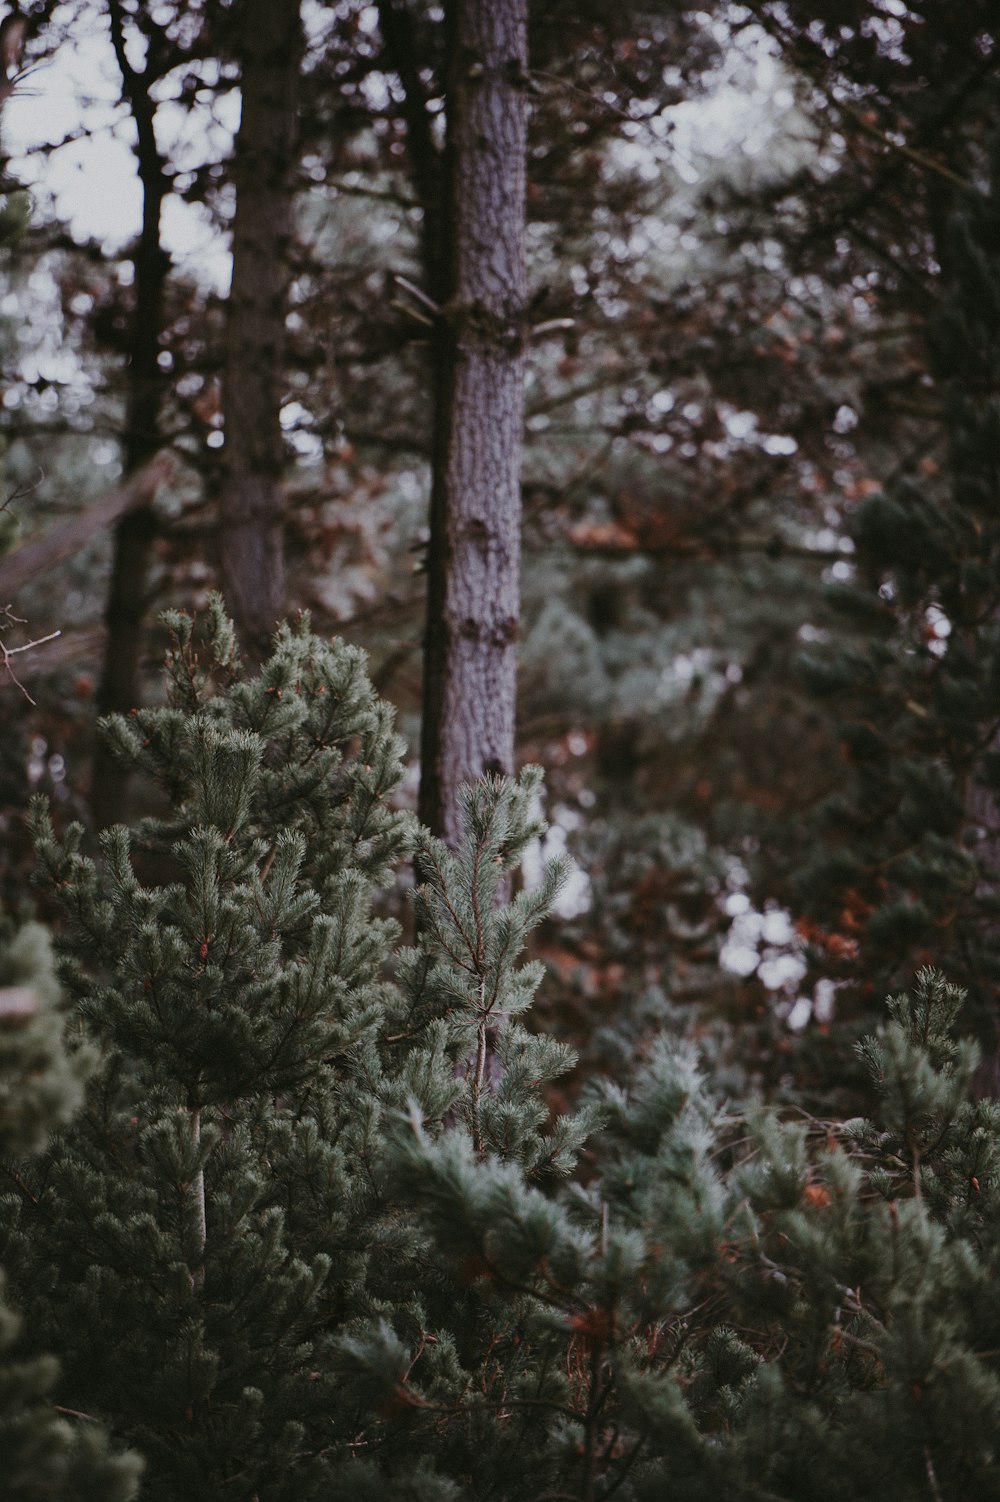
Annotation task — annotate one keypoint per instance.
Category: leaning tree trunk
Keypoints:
(134, 535)
(473, 601)
(269, 41)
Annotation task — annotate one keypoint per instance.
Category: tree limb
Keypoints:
(39, 554)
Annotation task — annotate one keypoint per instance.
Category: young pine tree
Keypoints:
(224, 1219)
(729, 1308)
(198, 1231)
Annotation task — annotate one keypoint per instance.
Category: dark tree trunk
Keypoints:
(269, 42)
(403, 55)
(134, 534)
(473, 600)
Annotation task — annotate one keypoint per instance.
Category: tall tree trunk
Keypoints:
(269, 42)
(473, 598)
(134, 534)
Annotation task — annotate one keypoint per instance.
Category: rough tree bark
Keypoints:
(251, 535)
(134, 534)
(473, 598)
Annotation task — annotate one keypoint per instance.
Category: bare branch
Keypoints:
(21, 492)
(7, 617)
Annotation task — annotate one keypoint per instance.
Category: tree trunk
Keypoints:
(402, 42)
(134, 534)
(473, 600)
(269, 42)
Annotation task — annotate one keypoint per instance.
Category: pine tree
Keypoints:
(223, 1214)
(44, 1457)
(200, 1225)
(731, 1307)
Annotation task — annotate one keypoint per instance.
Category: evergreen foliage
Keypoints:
(314, 1233)
(731, 1306)
(206, 1217)
(44, 1457)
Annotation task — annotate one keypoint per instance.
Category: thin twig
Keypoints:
(21, 492)
(417, 292)
(932, 1480)
(6, 653)
(74, 1413)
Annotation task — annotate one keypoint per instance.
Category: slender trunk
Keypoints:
(127, 596)
(269, 42)
(403, 56)
(200, 1213)
(473, 604)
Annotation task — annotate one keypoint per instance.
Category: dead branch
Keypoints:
(39, 554)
